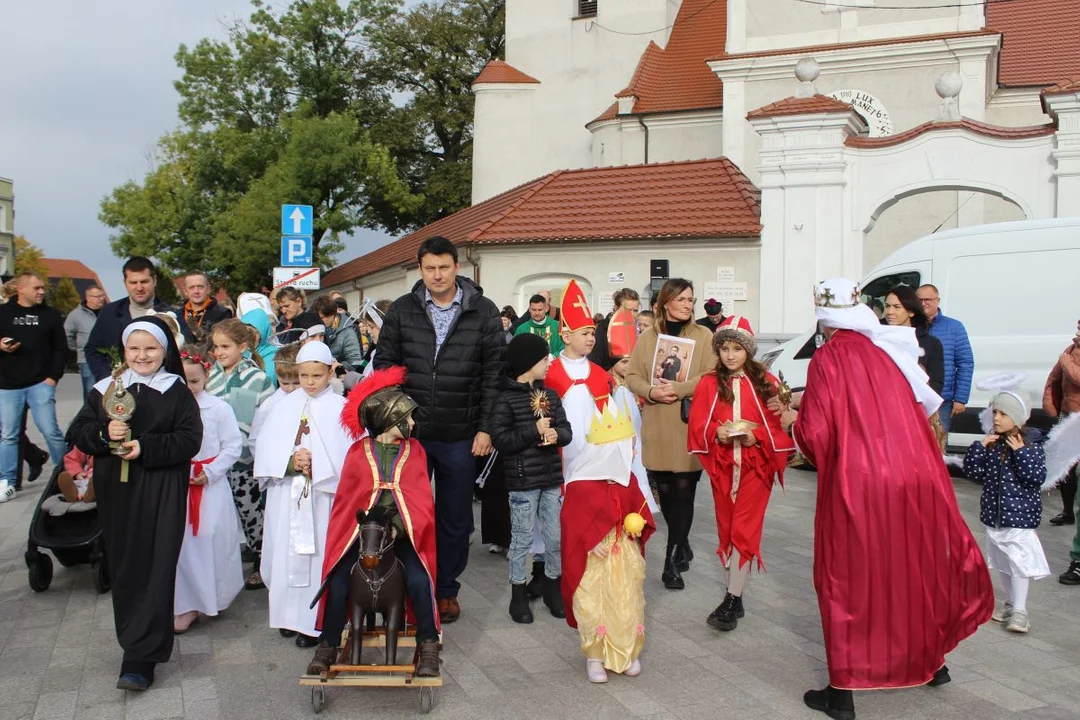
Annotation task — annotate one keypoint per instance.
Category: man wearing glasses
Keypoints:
(959, 360)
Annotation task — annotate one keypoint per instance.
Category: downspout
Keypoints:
(475, 265)
(356, 286)
(641, 121)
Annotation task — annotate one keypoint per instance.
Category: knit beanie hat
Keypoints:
(1012, 404)
(523, 352)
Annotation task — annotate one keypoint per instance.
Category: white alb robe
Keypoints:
(294, 527)
(209, 574)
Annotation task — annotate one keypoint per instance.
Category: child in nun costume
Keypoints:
(143, 514)
(301, 450)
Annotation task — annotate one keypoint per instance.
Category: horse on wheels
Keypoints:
(377, 582)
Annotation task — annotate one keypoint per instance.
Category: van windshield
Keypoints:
(875, 291)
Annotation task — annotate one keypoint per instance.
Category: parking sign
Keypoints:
(296, 251)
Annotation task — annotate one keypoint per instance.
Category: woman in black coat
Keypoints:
(902, 308)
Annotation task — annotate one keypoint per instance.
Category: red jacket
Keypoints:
(79, 463)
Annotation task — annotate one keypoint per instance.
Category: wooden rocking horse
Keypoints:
(377, 582)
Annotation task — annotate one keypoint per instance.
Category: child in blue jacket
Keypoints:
(1011, 471)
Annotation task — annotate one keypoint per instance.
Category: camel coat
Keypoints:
(663, 433)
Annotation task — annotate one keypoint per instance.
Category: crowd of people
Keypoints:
(285, 428)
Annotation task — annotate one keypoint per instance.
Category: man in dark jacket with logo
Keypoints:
(32, 350)
(140, 280)
(450, 339)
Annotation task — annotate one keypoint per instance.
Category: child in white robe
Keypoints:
(209, 574)
(300, 450)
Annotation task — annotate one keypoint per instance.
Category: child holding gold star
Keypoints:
(605, 516)
(528, 426)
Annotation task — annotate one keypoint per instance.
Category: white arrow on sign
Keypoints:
(297, 218)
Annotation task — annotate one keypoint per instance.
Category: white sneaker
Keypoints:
(1003, 614)
(1018, 622)
(596, 672)
(7, 491)
(634, 670)
(496, 549)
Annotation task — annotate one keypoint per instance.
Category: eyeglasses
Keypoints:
(928, 300)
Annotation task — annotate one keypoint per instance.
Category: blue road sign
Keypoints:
(296, 219)
(296, 251)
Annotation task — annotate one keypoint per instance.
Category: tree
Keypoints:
(63, 296)
(296, 106)
(29, 258)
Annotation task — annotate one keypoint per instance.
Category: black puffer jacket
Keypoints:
(529, 465)
(456, 392)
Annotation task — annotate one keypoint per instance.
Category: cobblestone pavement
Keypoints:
(60, 658)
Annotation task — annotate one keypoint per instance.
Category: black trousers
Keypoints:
(417, 585)
(495, 505)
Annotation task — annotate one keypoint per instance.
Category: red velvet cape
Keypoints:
(356, 489)
(899, 577)
(591, 508)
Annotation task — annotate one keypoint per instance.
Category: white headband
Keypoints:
(316, 329)
(315, 352)
(147, 327)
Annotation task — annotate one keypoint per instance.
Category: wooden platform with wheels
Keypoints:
(343, 674)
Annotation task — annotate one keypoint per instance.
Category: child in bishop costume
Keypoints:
(388, 470)
(605, 515)
(142, 496)
(209, 574)
(744, 450)
(301, 450)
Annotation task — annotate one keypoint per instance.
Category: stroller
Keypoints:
(74, 538)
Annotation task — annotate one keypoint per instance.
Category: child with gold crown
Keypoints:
(605, 516)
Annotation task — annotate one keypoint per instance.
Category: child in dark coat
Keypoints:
(528, 426)
(1011, 471)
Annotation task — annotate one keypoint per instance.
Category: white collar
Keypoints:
(161, 381)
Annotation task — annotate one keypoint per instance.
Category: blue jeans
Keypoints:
(42, 401)
(525, 507)
(87, 380)
(945, 414)
(454, 469)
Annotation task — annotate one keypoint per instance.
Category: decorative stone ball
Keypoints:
(807, 70)
(949, 84)
(633, 523)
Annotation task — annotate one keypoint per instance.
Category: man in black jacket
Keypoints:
(33, 348)
(140, 280)
(450, 339)
(200, 312)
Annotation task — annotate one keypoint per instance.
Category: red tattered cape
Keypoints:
(759, 464)
(899, 577)
(591, 508)
(358, 488)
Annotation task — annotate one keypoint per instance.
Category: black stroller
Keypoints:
(74, 538)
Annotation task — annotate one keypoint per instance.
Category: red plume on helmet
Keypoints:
(378, 380)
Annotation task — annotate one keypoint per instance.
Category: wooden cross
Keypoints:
(301, 432)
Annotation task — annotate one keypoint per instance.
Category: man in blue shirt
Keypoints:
(959, 359)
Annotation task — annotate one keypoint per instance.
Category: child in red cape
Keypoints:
(384, 468)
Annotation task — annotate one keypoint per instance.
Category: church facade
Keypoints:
(624, 140)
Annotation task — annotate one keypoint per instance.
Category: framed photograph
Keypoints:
(672, 359)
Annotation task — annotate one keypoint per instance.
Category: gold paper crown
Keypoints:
(824, 298)
(608, 428)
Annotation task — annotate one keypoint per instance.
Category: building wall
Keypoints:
(7, 227)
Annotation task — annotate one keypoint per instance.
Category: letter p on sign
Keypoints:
(296, 251)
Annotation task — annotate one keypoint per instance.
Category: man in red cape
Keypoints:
(899, 577)
(388, 472)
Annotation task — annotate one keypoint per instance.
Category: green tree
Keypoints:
(63, 296)
(296, 106)
(29, 258)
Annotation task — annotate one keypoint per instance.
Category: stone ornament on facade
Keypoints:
(948, 87)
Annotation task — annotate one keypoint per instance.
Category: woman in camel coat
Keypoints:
(673, 470)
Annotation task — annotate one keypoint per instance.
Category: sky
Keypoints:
(86, 93)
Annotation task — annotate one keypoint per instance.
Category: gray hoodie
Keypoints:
(77, 327)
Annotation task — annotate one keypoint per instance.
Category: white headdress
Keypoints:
(839, 305)
(315, 351)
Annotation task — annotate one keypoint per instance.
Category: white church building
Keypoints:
(751, 146)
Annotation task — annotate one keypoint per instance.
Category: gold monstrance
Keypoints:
(541, 406)
(119, 405)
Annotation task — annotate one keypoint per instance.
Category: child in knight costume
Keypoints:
(605, 515)
(300, 451)
(388, 469)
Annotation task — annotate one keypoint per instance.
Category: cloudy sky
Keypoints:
(86, 93)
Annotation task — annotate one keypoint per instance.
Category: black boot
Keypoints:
(726, 615)
(685, 556)
(536, 582)
(1063, 519)
(941, 677)
(837, 704)
(671, 576)
(519, 604)
(553, 597)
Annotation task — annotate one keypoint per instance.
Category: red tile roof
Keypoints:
(497, 71)
(74, 269)
(800, 106)
(1070, 85)
(676, 78)
(984, 129)
(695, 199)
(1041, 40)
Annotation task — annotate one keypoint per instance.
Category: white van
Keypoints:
(1011, 285)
